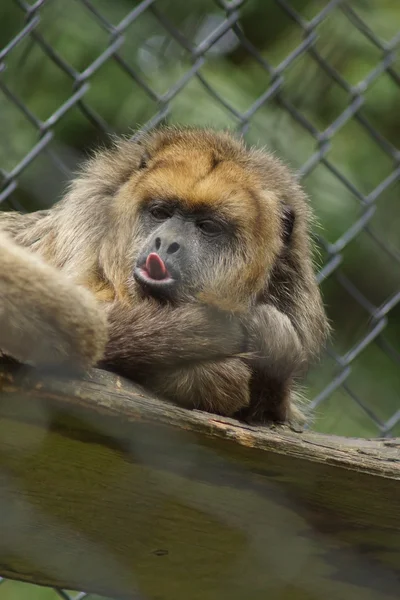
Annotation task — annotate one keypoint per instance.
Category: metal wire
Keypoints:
(378, 318)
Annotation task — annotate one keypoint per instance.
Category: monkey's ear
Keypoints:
(144, 160)
(288, 218)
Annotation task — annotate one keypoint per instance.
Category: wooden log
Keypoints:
(106, 489)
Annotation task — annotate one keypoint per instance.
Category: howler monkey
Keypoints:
(181, 261)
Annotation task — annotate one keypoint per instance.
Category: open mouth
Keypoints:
(155, 268)
(154, 275)
(145, 277)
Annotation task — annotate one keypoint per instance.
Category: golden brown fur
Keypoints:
(44, 320)
(257, 318)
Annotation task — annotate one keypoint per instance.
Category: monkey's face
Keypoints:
(202, 224)
(183, 244)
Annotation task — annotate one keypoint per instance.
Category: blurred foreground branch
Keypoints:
(106, 489)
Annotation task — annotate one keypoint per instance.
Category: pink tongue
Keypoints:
(155, 267)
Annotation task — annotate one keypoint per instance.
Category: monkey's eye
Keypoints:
(160, 213)
(209, 227)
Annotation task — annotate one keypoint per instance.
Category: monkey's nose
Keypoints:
(172, 248)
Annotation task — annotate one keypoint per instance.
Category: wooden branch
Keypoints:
(106, 489)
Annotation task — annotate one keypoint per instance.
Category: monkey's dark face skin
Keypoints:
(180, 245)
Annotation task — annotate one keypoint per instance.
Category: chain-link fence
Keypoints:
(316, 81)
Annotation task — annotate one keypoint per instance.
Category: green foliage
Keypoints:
(16, 590)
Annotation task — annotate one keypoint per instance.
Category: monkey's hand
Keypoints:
(275, 354)
(45, 320)
(147, 337)
(272, 342)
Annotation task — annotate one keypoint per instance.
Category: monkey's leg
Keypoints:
(45, 319)
(148, 337)
(219, 387)
(276, 357)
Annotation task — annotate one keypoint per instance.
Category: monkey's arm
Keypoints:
(258, 387)
(181, 354)
(276, 356)
(148, 337)
(44, 319)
